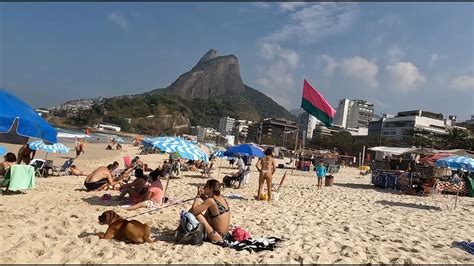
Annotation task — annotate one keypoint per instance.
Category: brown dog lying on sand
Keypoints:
(129, 231)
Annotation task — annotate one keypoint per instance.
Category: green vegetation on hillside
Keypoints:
(169, 110)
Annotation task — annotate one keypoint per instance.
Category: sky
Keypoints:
(399, 56)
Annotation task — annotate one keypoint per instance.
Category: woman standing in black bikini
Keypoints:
(216, 218)
(266, 167)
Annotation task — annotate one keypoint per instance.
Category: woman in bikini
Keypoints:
(216, 218)
(266, 167)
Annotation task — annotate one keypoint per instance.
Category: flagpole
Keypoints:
(296, 140)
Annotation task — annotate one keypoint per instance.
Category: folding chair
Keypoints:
(64, 168)
(277, 186)
(38, 165)
(127, 161)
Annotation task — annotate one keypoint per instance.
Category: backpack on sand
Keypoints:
(190, 231)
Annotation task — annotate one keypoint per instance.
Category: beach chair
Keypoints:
(277, 186)
(19, 177)
(37, 165)
(64, 168)
(48, 165)
(207, 171)
(127, 161)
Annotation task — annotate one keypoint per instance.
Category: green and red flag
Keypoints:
(315, 104)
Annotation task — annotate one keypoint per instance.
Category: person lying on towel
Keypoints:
(213, 212)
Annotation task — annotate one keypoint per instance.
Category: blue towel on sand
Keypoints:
(466, 246)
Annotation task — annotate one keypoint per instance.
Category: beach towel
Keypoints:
(20, 177)
(252, 244)
(234, 196)
(466, 246)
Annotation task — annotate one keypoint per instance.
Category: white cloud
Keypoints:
(404, 76)
(119, 20)
(276, 77)
(291, 6)
(331, 65)
(355, 68)
(311, 22)
(463, 83)
(395, 54)
(361, 69)
(262, 4)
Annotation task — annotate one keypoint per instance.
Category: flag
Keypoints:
(315, 104)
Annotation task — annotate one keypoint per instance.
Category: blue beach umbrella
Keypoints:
(246, 150)
(18, 121)
(457, 163)
(3, 151)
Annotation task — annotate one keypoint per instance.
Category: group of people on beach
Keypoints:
(146, 191)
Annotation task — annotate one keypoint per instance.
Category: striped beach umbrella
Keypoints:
(184, 148)
(52, 148)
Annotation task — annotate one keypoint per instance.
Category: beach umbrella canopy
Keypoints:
(431, 160)
(457, 163)
(52, 148)
(18, 121)
(245, 149)
(184, 148)
(3, 150)
(219, 153)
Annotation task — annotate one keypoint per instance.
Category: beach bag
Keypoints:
(190, 231)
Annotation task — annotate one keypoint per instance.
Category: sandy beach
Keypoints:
(351, 222)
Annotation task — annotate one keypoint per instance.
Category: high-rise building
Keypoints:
(307, 124)
(277, 129)
(406, 123)
(226, 124)
(354, 114)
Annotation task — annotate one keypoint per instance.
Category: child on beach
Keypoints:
(320, 172)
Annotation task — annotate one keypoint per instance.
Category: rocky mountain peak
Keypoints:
(211, 54)
(214, 75)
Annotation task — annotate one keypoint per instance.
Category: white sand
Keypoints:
(350, 222)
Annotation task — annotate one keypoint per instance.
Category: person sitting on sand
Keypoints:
(100, 178)
(137, 188)
(25, 154)
(73, 170)
(119, 147)
(10, 159)
(216, 217)
(266, 167)
(153, 198)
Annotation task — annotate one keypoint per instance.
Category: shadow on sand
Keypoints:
(408, 205)
(355, 186)
(96, 200)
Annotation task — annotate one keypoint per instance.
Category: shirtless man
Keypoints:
(80, 146)
(100, 178)
(266, 167)
(24, 154)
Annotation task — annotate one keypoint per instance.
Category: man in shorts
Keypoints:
(100, 179)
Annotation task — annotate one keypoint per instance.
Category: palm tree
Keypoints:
(456, 139)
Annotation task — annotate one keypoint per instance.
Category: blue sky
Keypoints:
(400, 56)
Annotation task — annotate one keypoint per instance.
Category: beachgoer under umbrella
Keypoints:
(9, 160)
(25, 154)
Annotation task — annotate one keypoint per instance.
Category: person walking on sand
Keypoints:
(320, 172)
(266, 167)
(80, 147)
